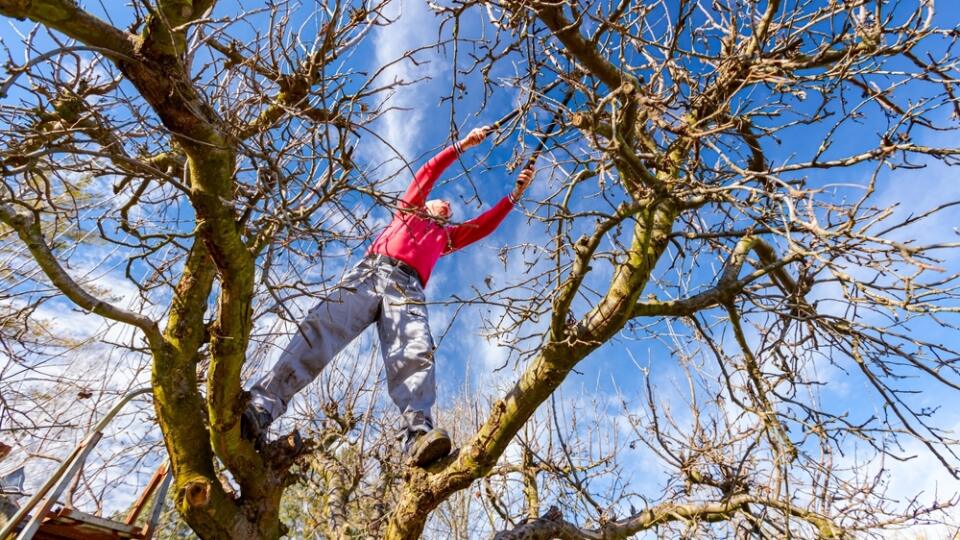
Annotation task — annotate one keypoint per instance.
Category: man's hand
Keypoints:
(523, 182)
(475, 137)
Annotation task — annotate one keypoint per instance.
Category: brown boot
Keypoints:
(423, 448)
(253, 425)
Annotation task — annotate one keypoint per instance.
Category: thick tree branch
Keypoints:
(177, 400)
(650, 238)
(28, 229)
(551, 13)
(67, 17)
(165, 32)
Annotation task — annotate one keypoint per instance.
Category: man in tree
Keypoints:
(386, 287)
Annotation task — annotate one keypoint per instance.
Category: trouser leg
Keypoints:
(327, 328)
(407, 348)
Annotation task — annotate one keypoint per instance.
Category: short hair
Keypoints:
(449, 207)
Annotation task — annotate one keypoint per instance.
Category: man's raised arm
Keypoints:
(469, 232)
(423, 181)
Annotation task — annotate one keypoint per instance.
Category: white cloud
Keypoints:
(402, 126)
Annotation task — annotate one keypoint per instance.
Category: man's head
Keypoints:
(439, 210)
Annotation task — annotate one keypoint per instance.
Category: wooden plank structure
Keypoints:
(41, 519)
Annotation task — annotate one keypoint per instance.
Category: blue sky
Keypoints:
(421, 124)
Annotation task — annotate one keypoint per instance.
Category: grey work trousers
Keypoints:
(374, 291)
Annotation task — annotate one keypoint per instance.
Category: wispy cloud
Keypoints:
(403, 127)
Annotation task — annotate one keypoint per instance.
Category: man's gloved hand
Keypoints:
(523, 182)
(475, 137)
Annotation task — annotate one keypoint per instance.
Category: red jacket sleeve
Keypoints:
(423, 181)
(469, 232)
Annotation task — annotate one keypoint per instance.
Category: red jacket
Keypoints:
(419, 241)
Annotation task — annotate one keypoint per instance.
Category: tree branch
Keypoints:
(552, 525)
(67, 17)
(567, 32)
(165, 33)
(27, 227)
(728, 286)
